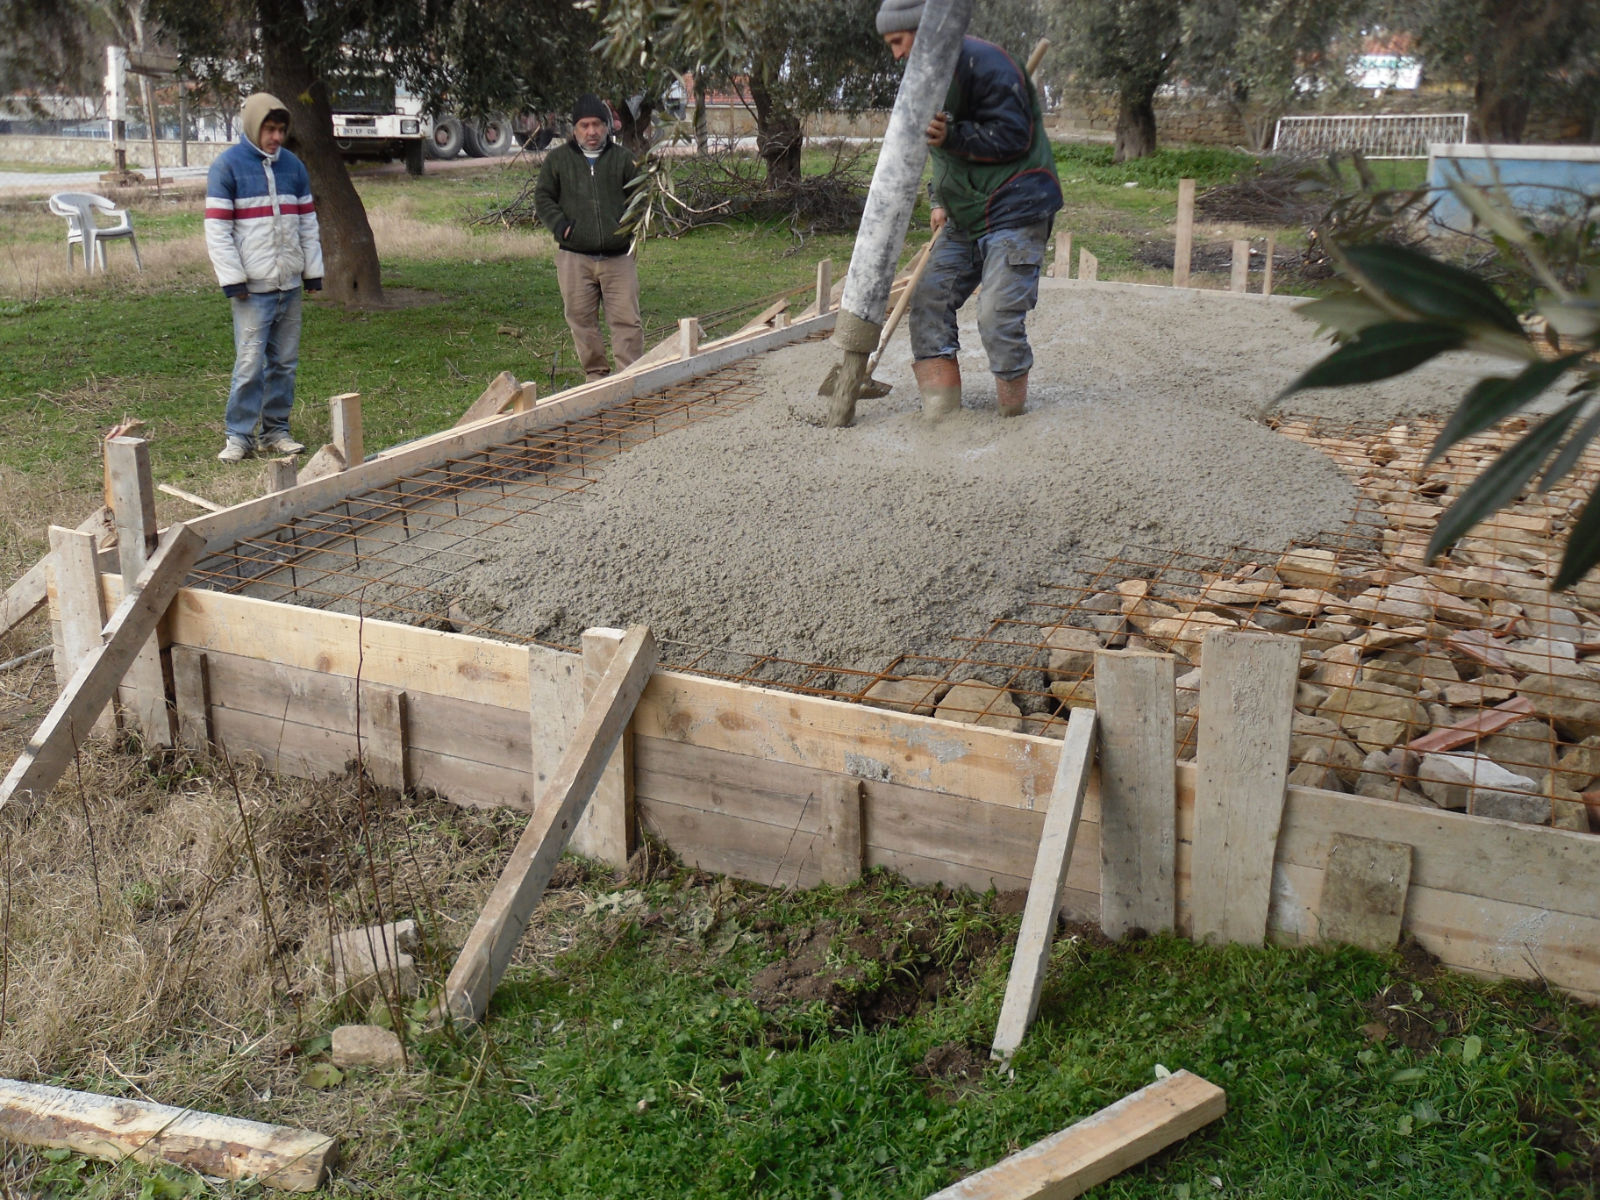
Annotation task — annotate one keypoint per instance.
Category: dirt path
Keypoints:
(763, 532)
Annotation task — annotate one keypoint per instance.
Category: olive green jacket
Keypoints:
(581, 202)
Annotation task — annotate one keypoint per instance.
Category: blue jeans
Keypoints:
(1007, 263)
(266, 346)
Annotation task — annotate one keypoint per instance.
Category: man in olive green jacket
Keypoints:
(581, 196)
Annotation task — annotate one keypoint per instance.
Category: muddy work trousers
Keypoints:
(588, 281)
(1006, 262)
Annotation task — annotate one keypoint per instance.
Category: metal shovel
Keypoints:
(874, 388)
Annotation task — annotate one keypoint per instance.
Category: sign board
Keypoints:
(152, 62)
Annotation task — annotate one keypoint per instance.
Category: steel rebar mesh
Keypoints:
(1470, 654)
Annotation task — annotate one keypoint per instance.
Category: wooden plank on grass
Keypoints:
(1183, 243)
(1044, 892)
(1364, 892)
(499, 928)
(502, 390)
(1246, 702)
(114, 1128)
(1135, 698)
(133, 502)
(1117, 1137)
(606, 830)
(51, 748)
(75, 562)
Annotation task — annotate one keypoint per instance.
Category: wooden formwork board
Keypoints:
(733, 778)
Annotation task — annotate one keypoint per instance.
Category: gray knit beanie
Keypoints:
(896, 16)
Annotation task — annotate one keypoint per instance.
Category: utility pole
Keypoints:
(117, 106)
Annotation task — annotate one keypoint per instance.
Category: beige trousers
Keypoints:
(586, 282)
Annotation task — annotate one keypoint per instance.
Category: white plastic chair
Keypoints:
(83, 228)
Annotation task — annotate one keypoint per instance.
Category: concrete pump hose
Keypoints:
(930, 67)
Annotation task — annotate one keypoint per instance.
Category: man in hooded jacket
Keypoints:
(261, 234)
(580, 197)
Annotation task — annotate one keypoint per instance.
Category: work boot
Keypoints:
(280, 443)
(1011, 395)
(939, 381)
(235, 449)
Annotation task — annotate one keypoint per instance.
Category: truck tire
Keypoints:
(489, 137)
(446, 139)
(414, 157)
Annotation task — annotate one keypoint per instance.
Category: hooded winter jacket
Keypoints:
(996, 169)
(261, 224)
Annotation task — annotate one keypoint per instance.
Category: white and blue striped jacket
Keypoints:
(261, 223)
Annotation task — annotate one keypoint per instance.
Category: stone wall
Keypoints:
(95, 152)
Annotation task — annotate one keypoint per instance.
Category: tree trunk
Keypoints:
(349, 253)
(779, 139)
(635, 135)
(702, 133)
(1502, 114)
(1136, 123)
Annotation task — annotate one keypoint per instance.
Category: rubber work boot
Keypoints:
(1011, 395)
(939, 381)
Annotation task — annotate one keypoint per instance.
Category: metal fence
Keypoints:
(1396, 136)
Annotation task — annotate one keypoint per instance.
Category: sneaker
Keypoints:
(236, 450)
(280, 443)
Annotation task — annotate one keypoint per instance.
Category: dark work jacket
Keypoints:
(581, 202)
(995, 169)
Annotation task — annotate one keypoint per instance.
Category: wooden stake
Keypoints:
(1239, 279)
(383, 735)
(1044, 892)
(28, 594)
(526, 398)
(1246, 702)
(607, 829)
(1266, 269)
(144, 691)
(1135, 698)
(51, 749)
(114, 1128)
(80, 602)
(688, 337)
(1061, 268)
(499, 928)
(824, 286)
(841, 831)
(345, 427)
(1183, 247)
(281, 475)
(1117, 1137)
(191, 690)
(501, 391)
(1088, 267)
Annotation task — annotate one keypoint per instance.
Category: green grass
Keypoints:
(639, 1066)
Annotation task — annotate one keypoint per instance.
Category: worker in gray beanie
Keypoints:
(995, 193)
(897, 16)
(581, 197)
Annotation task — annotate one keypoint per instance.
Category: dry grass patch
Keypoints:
(401, 232)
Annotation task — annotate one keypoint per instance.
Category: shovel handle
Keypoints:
(918, 266)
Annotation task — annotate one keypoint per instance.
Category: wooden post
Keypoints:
(824, 285)
(144, 691)
(1266, 269)
(1061, 268)
(114, 1128)
(52, 746)
(526, 399)
(1088, 267)
(1044, 892)
(383, 735)
(1117, 1137)
(1183, 246)
(80, 602)
(688, 337)
(487, 953)
(191, 690)
(345, 428)
(1239, 279)
(1135, 699)
(281, 475)
(841, 831)
(1246, 703)
(607, 829)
